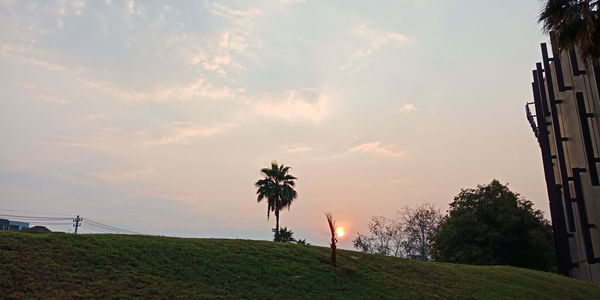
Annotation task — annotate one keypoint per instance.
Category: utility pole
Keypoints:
(77, 223)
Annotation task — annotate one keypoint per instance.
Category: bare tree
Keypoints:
(419, 226)
(406, 235)
(386, 236)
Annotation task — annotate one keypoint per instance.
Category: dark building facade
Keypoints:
(565, 118)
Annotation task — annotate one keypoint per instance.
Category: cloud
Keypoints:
(93, 117)
(132, 7)
(373, 39)
(198, 89)
(71, 7)
(106, 139)
(26, 53)
(219, 56)
(296, 149)
(125, 175)
(408, 108)
(118, 140)
(178, 133)
(292, 2)
(192, 199)
(398, 180)
(53, 99)
(218, 53)
(294, 105)
(377, 148)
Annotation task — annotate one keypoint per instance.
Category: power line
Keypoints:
(103, 229)
(77, 222)
(50, 223)
(34, 212)
(90, 228)
(95, 228)
(110, 227)
(33, 217)
(115, 227)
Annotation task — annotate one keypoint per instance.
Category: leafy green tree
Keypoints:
(277, 187)
(575, 23)
(491, 225)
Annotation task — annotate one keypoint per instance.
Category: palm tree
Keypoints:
(575, 23)
(277, 187)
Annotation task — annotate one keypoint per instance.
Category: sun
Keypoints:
(339, 232)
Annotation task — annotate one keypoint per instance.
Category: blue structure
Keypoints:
(12, 225)
(4, 224)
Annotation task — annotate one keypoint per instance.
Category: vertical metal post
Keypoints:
(77, 221)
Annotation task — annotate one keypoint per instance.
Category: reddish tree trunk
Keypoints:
(333, 254)
(331, 223)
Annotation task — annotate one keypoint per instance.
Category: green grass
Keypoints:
(66, 266)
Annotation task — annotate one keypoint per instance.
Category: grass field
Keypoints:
(67, 266)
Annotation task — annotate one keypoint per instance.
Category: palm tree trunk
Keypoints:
(277, 225)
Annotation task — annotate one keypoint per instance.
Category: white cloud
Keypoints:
(121, 176)
(107, 139)
(408, 108)
(93, 117)
(239, 16)
(373, 39)
(294, 105)
(70, 7)
(292, 2)
(218, 56)
(131, 7)
(377, 148)
(119, 141)
(53, 99)
(185, 197)
(398, 180)
(178, 133)
(26, 53)
(198, 89)
(296, 148)
(218, 53)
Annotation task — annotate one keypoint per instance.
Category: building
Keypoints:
(565, 118)
(12, 225)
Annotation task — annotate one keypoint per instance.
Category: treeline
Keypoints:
(487, 225)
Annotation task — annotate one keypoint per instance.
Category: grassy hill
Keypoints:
(66, 266)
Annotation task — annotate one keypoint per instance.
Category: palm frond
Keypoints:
(575, 23)
(277, 187)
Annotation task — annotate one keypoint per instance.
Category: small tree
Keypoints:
(302, 242)
(332, 228)
(286, 235)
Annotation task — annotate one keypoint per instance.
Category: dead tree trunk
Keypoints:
(331, 222)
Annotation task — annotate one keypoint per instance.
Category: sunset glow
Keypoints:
(339, 232)
(158, 116)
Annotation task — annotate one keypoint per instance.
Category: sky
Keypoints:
(157, 116)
